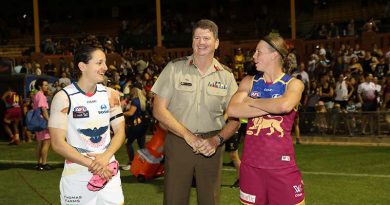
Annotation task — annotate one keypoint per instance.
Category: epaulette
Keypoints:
(180, 59)
(226, 68)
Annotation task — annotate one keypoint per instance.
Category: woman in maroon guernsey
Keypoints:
(268, 172)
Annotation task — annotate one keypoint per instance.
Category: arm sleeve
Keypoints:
(59, 111)
(42, 100)
(116, 115)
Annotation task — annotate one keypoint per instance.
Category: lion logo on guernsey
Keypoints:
(266, 122)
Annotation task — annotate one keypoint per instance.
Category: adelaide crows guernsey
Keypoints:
(88, 119)
(268, 142)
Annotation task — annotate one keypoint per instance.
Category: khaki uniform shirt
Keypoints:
(196, 101)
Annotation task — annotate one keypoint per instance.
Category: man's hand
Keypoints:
(208, 146)
(194, 141)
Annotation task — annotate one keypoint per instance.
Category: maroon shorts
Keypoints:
(271, 186)
(14, 113)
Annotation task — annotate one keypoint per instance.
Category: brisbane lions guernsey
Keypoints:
(268, 141)
(88, 119)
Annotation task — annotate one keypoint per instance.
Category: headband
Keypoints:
(269, 42)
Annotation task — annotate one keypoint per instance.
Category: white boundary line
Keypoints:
(28, 161)
(228, 169)
(331, 174)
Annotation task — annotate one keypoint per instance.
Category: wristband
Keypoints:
(221, 139)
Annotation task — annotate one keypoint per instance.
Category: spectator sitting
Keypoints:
(351, 120)
(320, 120)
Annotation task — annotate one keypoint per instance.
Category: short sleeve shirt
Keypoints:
(40, 100)
(197, 101)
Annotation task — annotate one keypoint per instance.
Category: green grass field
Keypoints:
(335, 175)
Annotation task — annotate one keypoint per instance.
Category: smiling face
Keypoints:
(263, 56)
(204, 43)
(96, 67)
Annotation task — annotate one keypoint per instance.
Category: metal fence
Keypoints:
(345, 123)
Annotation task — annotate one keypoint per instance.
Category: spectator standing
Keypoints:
(136, 123)
(191, 96)
(342, 92)
(367, 95)
(231, 147)
(13, 115)
(326, 91)
(43, 137)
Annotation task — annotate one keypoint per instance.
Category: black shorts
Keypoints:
(232, 143)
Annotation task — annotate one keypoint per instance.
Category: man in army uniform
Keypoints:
(192, 94)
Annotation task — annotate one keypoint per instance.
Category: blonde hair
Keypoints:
(277, 43)
(138, 93)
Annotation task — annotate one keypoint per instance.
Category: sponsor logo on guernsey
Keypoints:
(267, 89)
(91, 101)
(255, 94)
(80, 112)
(103, 109)
(276, 95)
(286, 158)
(298, 190)
(247, 197)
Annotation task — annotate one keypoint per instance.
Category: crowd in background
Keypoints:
(344, 80)
(337, 80)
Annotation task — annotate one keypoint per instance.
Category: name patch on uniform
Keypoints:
(217, 84)
(186, 83)
(286, 158)
(80, 112)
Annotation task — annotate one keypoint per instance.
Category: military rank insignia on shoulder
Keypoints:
(226, 68)
(180, 59)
